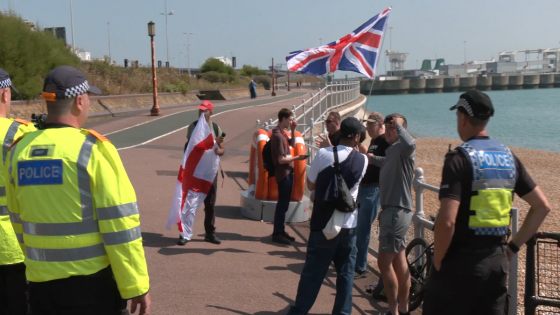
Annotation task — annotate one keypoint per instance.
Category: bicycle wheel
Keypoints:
(419, 260)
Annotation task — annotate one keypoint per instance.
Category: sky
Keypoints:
(255, 31)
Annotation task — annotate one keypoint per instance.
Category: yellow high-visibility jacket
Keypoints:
(75, 208)
(10, 129)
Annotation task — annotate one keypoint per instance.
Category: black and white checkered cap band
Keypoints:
(77, 90)
(463, 103)
(6, 83)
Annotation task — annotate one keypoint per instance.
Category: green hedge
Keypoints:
(215, 65)
(28, 56)
(264, 80)
(217, 77)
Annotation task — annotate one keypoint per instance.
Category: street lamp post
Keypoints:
(152, 32)
(72, 25)
(109, 37)
(390, 38)
(273, 91)
(166, 30)
(288, 74)
(189, 51)
(465, 42)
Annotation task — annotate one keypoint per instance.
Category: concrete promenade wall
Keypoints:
(454, 84)
(103, 105)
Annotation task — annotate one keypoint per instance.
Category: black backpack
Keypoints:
(344, 201)
(268, 163)
(216, 130)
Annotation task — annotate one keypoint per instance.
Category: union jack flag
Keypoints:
(358, 51)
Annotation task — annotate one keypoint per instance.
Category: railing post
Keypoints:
(513, 266)
(270, 121)
(419, 191)
(258, 123)
(266, 126)
(304, 109)
(530, 281)
(311, 125)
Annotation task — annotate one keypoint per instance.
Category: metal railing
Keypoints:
(313, 111)
(542, 275)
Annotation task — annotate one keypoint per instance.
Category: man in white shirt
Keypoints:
(324, 246)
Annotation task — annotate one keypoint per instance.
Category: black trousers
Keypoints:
(209, 213)
(469, 282)
(13, 290)
(96, 294)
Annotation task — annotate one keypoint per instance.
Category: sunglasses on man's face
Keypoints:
(329, 121)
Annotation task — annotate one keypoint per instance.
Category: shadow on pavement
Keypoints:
(229, 212)
(202, 251)
(280, 312)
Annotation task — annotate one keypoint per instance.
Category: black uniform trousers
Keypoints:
(469, 282)
(209, 213)
(95, 294)
(13, 290)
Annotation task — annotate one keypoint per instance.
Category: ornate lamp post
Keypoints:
(152, 32)
(273, 91)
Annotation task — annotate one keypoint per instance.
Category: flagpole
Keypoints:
(373, 78)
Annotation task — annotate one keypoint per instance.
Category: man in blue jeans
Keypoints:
(283, 172)
(368, 194)
(338, 248)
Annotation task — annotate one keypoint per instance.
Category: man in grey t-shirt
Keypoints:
(395, 181)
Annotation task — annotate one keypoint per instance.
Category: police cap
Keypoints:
(5, 80)
(475, 104)
(66, 82)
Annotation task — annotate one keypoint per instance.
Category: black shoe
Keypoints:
(280, 239)
(360, 274)
(182, 241)
(212, 238)
(290, 238)
(401, 313)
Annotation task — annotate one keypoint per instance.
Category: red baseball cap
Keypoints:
(206, 105)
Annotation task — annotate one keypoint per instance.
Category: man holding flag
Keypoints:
(197, 180)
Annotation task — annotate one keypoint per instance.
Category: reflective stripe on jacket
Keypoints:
(10, 251)
(71, 198)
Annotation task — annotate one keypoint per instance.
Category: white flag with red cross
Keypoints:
(196, 175)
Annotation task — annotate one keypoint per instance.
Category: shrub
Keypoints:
(250, 71)
(28, 56)
(216, 77)
(264, 80)
(213, 64)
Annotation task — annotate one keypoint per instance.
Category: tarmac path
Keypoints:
(247, 273)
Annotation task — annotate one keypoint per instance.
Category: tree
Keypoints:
(213, 64)
(250, 71)
(28, 55)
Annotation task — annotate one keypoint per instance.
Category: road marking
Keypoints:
(171, 132)
(187, 110)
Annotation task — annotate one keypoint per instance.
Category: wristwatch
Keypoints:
(513, 247)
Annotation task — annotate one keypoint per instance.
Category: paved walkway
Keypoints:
(247, 273)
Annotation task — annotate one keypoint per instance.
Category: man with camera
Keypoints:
(333, 232)
(13, 286)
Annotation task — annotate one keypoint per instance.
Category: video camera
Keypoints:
(39, 120)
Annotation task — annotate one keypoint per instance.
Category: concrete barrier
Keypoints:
(500, 82)
(451, 84)
(515, 82)
(484, 83)
(417, 85)
(467, 83)
(434, 85)
(546, 80)
(397, 86)
(557, 80)
(105, 105)
(531, 81)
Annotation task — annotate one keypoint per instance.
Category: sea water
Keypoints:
(522, 118)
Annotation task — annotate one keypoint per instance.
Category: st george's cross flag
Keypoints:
(357, 51)
(196, 175)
